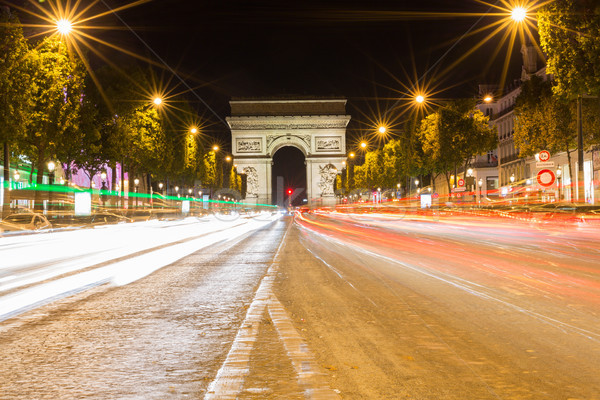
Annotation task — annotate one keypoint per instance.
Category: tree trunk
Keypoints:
(572, 184)
(39, 195)
(122, 186)
(447, 175)
(6, 205)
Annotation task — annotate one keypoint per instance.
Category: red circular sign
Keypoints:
(546, 178)
(544, 155)
(461, 182)
(435, 195)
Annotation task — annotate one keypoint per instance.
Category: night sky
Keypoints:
(358, 49)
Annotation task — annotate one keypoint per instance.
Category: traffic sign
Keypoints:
(436, 195)
(461, 182)
(544, 155)
(546, 178)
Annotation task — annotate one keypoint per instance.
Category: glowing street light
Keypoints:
(228, 158)
(215, 148)
(16, 175)
(488, 99)
(193, 131)
(363, 145)
(518, 14)
(351, 155)
(420, 99)
(157, 101)
(382, 129)
(64, 26)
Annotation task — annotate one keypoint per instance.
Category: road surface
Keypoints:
(329, 306)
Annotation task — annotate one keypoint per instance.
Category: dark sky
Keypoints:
(362, 49)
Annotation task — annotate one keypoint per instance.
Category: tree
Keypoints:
(453, 136)
(209, 171)
(15, 93)
(58, 81)
(570, 36)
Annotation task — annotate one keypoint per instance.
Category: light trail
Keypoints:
(458, 272)
(119, 255)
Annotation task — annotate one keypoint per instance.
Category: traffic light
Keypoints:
(290, 191)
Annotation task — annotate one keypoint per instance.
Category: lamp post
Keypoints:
(512, 181)
(51, 167)
(103, 188)
(558, 176)
(480, 184)
(136, 182)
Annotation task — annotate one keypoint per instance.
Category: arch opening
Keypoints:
(288, 173)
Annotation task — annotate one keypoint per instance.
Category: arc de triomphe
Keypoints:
(315, 126)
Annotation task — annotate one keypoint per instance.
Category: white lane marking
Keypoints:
(230, 378)
(313, 382)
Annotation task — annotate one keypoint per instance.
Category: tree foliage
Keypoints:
(543, 121)
(15, 91)
(570, 36)
(57, 80)
(453, 135)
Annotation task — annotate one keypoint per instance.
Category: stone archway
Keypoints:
(315, 126)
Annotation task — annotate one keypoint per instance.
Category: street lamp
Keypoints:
(518, 14)
(558, 176)
(103, 187)
(177, 190)
(420, 99)
(228, 158)
(64, 26)
(382, 129)
(194, 130)
(136, 182)
(512, 181)
(215, 148)
(157, 101)
(363, 145)
(480, 183)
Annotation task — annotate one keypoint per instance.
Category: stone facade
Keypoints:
(317, 127)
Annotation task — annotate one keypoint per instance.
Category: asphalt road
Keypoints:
(331, 306)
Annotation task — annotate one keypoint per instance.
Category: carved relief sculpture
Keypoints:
(251, 182)
(328, 144)
(327, 181)
(248, 145)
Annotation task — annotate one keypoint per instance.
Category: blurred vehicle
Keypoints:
(24, 222)
(105, 218)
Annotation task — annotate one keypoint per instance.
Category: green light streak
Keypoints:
(14, 186)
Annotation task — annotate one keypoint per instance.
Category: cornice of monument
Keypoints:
(288, 122)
